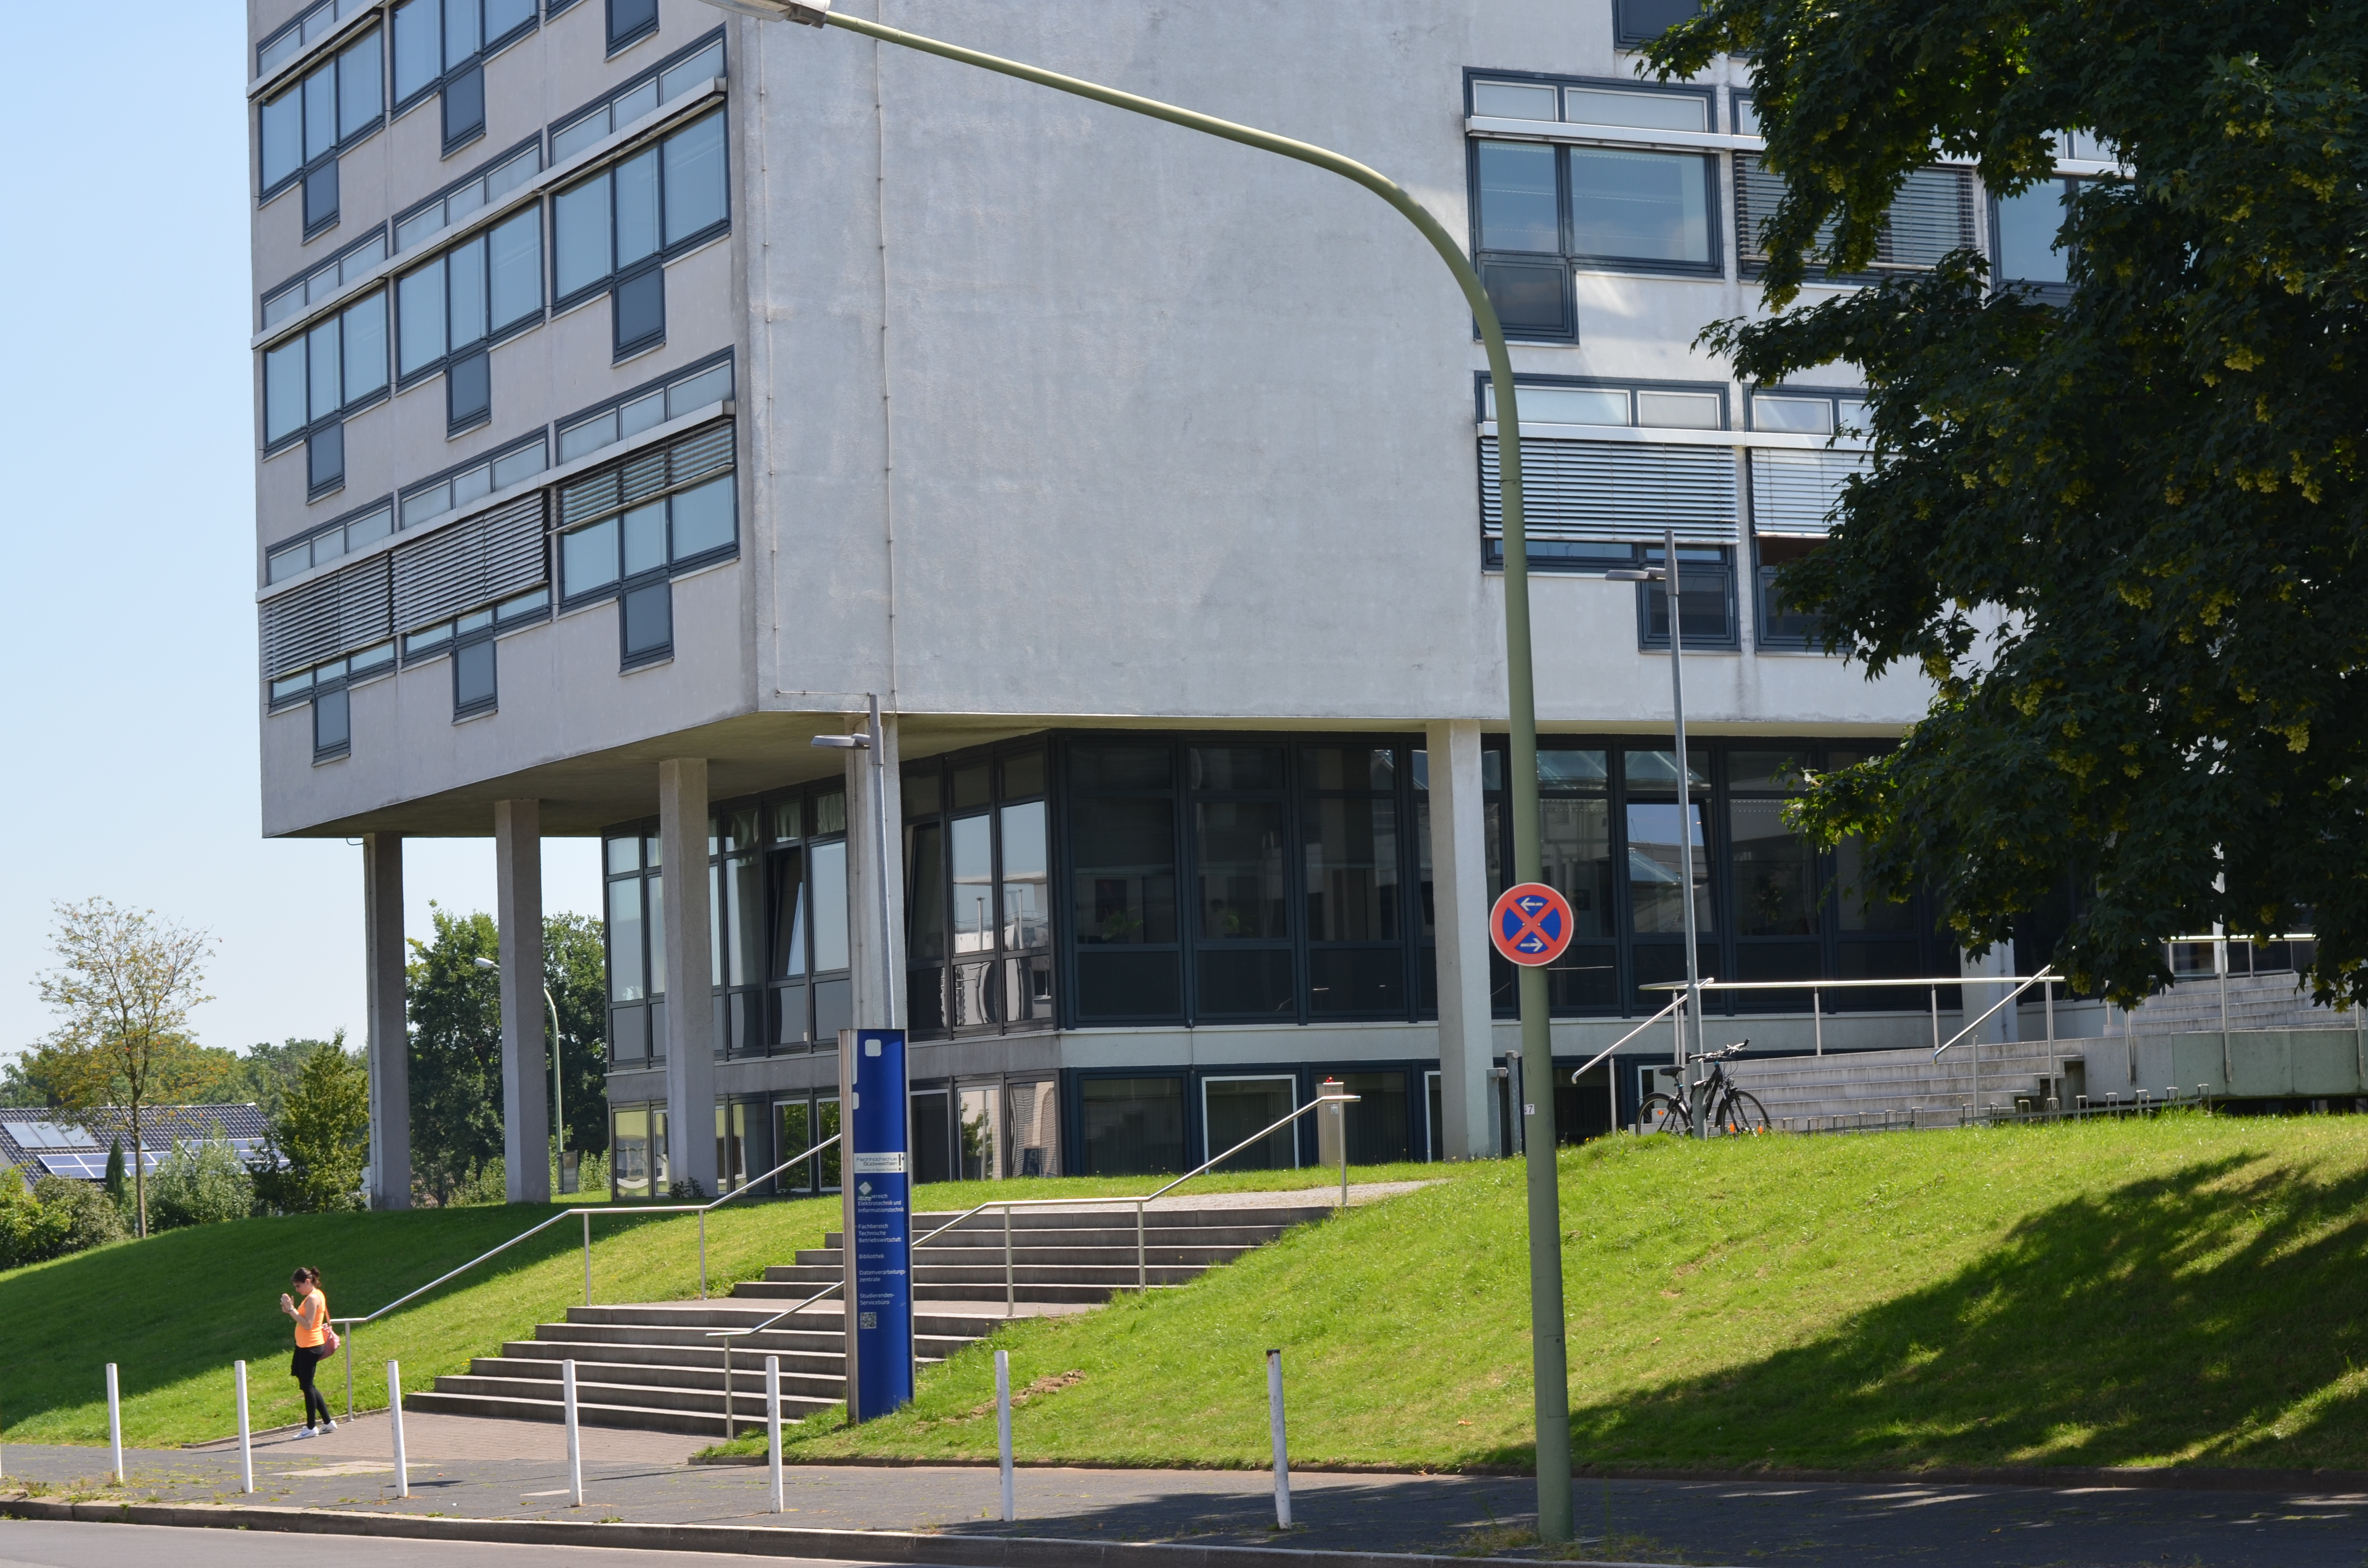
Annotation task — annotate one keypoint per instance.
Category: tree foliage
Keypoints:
(2121, 530)
(264, 1076)
(56, 1216)
(125, 981)
(320, 1140)
(456, 1053)
(199, 1184)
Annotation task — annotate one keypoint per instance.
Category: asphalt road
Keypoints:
(36, 1543)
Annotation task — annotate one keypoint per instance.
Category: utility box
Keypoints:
(1331, 1127)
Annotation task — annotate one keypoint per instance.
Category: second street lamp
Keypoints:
(1672, 578)
(1549, 1366)
(558, 1070)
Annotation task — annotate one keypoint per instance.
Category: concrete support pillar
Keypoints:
(526, 1084)
(689, 1043)
(2004, 1025)
(873, 1010)
(1459, 880)
(387, 1038)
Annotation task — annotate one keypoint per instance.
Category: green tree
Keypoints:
(119, 1182)
(320, 1140)
(126, 982)
(2123, 529)
(267, 1073)
(456, 1055)
(575, 967)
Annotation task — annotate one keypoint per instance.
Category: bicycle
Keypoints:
(1736, 1111)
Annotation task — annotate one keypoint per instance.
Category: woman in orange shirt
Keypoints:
(315, 1339)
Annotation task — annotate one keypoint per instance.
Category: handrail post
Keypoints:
(727, 1388)
(1010, 1298)
(588, 1258)
(1936, 1019)
(702, 1255)
(1817, 1012)
(1342, 1112)
(1142, 1269)
(349, 1372)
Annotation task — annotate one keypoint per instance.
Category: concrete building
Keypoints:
(641, 390)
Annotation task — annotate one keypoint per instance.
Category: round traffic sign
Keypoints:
(1531, 923)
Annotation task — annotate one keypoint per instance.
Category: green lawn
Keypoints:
(2183, 1290)
(176, 1310)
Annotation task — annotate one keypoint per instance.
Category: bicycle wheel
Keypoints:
(1742, 1115)
(1663, 1113)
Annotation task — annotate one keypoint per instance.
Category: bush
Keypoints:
(199, 1184)
(56, 1217)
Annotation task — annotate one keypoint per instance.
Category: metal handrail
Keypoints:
(588, 1214)
(2046, 973)
(1675, 1003)
(1007, 1205)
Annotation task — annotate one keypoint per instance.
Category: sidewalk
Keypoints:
(515, 1470)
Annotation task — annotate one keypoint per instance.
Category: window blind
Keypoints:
(1791, 493)
(1615, 491)
(1932, 215)
(646, 475)
(332, 615)
(471, 564)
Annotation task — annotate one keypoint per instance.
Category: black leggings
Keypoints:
(300, 1367)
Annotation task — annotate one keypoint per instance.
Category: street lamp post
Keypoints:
(558, 1069)
(1549, 1364)
(1667, 575)
(873, 740)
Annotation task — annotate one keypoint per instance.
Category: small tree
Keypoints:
(119, 1185)
(126, 983)
(456, 1055)
(320, 1140)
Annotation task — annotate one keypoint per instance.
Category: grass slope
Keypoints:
(176, 1310)
(2183, 1290)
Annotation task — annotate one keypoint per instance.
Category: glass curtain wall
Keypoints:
(635, 937)
(977, 895)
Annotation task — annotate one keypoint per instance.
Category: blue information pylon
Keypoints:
(877, 1222)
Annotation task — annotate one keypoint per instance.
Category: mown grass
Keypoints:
(2185, 1291)
(176, 1310)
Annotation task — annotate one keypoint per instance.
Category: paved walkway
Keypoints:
(513, 1470)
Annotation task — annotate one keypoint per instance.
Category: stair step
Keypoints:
(640, 1417)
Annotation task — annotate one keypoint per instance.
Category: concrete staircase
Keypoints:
(1843, 1089)
(2272, 1001)
(654, 1367)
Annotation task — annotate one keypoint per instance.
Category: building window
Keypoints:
(1591, 497)
(637, 1151)
(343, 536)
(338, 103)
(455, 203)
(325, 282)
(1123, 881)
(2026, 233)
(315, 25)
(474, 687)
(616, 229)
(1132, 1126)
(474, 294)
(630, 21)
(332, 725)
(802, 946)
(633, 553)
(444, 44)
(1355, 895)
(978, 889)
(313, 379)
(325, 686)
(1642, 21)
(459, 486)
(437, 641)
(325, 461)
(635, 934)
(1793, 493)
(692, 70)
(1705, 599)
(646, 407)
(1932, 215)
(799, 1124)
(1540, 210)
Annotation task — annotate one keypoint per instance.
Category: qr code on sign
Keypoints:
(867, 1319)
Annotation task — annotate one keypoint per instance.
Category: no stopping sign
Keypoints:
(1531, 923)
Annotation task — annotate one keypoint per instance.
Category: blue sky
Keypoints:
(126, 435)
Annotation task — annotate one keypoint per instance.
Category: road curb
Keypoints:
(867, 1546)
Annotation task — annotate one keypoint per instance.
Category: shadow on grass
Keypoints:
(2212, 1316)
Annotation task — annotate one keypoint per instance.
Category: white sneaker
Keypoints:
(330, 1427)
(307, 1432)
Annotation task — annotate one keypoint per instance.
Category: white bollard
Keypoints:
(1003, 1424)
(246, 1437)
(394, 1417)
(575, 1436)
(1282, 1454)
(773, 1426)
(115, 1423)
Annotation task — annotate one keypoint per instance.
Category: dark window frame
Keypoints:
(346, 410)
(999, 958)
(666, 252)
(1765, 613)
(635, 30)
(268, 189)
(1567, 257)
(475, 60)
(619, 586)
(495, 334)
(467, 639)
(2046, 292)
(1629, 31)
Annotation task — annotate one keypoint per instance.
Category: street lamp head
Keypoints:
(844, 743)
(486, 963)
(1635, 575)
(810, 12)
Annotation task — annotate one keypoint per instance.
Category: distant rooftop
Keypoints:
(42, 1142)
